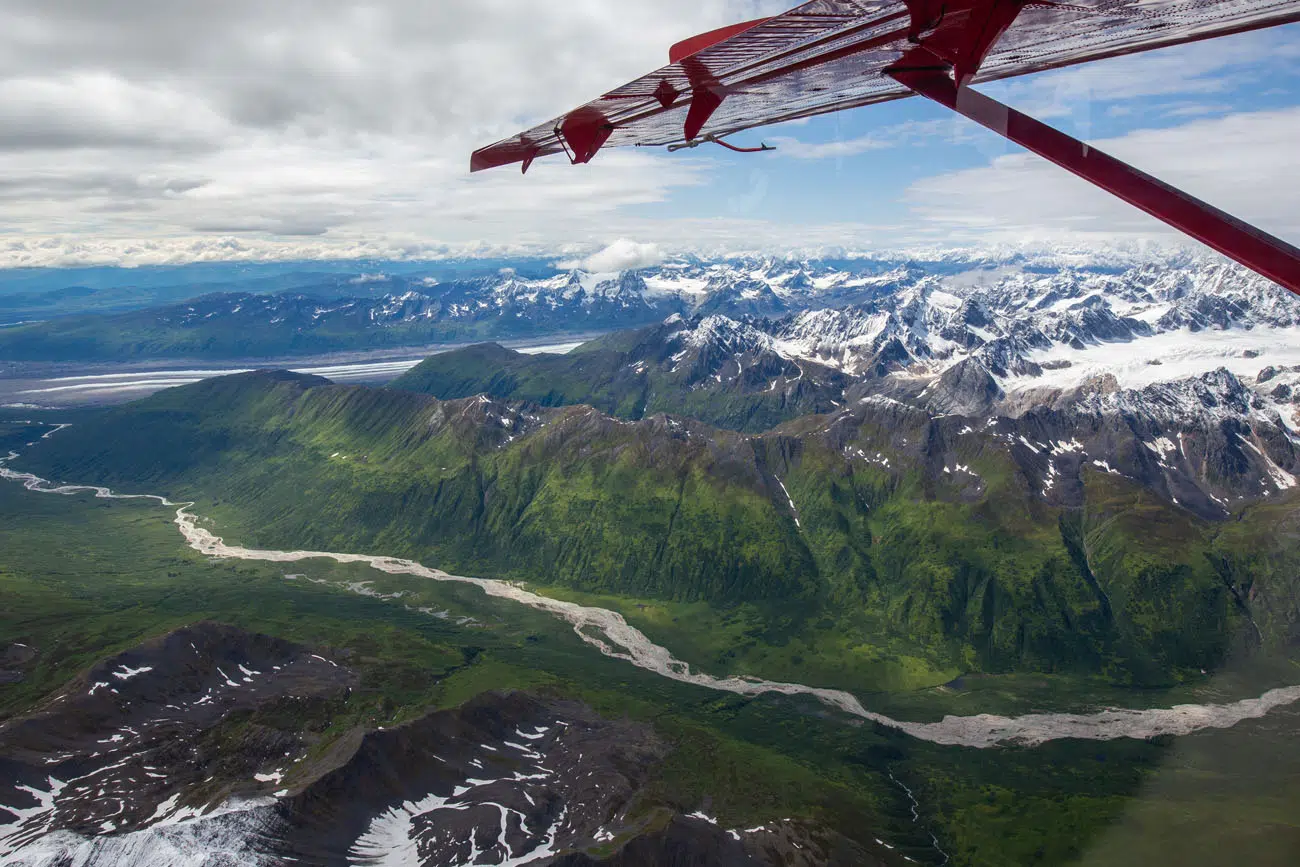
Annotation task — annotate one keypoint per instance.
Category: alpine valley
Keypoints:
(949, 558)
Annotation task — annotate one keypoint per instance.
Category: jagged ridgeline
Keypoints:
(1010, 314)
(975, 544)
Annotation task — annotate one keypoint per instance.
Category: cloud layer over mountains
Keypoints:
(145, 132)
(146, 120)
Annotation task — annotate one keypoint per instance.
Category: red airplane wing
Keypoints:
(830, 55)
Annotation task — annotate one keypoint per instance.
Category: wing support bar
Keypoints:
(1272, 257)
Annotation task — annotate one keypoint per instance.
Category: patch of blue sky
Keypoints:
(858, 166)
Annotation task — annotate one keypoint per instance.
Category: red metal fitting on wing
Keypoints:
(959, 33)
(585, 131)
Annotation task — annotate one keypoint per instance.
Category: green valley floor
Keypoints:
(82, 578)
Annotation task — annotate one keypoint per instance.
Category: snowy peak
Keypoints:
(723, 334)
(1210, 397)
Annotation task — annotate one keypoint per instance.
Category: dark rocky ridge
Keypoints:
(14, 660)
(135, 732)
(197, 744)
(690, 841)
(505, 776)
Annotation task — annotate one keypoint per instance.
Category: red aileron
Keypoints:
(830, 55)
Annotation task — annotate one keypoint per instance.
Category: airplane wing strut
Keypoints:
(941, 65)
(1257, 250)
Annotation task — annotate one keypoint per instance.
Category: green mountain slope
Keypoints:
(843, 554)
(633, 374)
(590, 501)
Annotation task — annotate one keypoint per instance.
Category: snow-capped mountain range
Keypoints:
(1161, 344)
(1186, 376)
(1000, 336)
(959, 331)
(1182, 374)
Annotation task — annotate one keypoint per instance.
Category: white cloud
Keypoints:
(622, 255)
(1234, 163)
(321, 125)
(898, 135)
(99, 109)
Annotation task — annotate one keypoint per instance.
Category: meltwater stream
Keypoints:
(611, 634)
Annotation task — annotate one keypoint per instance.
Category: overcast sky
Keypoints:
(141, 131)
